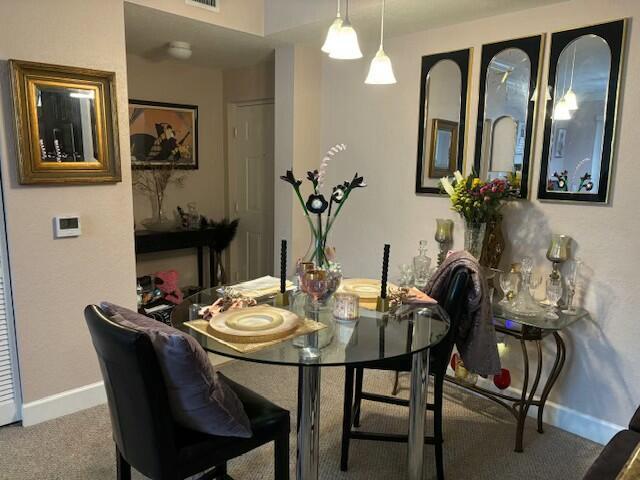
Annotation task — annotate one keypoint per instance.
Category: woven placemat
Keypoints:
(202, 326)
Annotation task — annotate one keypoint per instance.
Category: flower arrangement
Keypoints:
(476, 200)
(317, 205)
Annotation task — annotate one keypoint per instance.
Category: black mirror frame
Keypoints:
(462, 58)
(533, 47)
(614, 33)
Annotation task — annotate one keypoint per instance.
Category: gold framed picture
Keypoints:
(66, 124)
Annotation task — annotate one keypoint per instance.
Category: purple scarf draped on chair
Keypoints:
(475, 337)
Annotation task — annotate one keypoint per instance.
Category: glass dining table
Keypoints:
(374, 336)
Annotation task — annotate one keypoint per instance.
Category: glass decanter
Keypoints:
(524, 304)
(421, 266)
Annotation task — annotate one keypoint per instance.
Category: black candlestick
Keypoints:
(283, 266)
(385, 271)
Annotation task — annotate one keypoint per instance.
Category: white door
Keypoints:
(251, 183)
(10, 402)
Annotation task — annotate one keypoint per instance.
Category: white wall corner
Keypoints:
(63, 403)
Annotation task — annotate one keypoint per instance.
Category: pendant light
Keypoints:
(561, 109)
(381, 70)
(333, 33)
(346, 46)
(570, 97)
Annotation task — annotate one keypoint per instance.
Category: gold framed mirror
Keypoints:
(66, 124)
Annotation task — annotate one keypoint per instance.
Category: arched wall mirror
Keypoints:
(509, 74)
(441, 128)
(584, 73)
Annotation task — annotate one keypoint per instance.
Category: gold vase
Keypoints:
(494, 244)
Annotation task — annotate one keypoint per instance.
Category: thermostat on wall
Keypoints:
(67, 226)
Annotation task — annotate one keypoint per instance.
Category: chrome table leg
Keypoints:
(308, 422)
(417, 407)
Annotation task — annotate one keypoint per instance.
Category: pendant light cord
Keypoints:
(382, 25)
(573, 66)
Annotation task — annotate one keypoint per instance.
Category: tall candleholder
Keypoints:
(558, 253)
(444, 237)
(282, 297)
(382, 305)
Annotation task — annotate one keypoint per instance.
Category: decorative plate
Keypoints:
(258, 324)
(365, 288)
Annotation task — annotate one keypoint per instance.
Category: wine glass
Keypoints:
(572, 283)
(554, 293)
(315, 284)
(509, 286)
(534, 282)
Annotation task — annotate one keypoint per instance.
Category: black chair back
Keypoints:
(143, 428)
(455, 304)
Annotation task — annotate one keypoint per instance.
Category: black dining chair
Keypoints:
(144, 432)
(454, 305)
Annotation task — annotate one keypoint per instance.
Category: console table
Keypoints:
(528, 329)
(149, 242)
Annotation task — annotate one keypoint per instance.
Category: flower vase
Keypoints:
(494, 244)
(158, 222)
(474, 233)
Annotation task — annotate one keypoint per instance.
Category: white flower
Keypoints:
(458, 176)
(446, 184)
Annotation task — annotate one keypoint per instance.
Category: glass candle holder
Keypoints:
(346, 306)
(444, 237)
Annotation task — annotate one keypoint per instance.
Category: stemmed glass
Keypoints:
(572, 282)
(509, 286)
(534, 282)
(315, 284)
(554, 293)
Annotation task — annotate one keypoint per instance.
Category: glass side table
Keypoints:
(528, 329)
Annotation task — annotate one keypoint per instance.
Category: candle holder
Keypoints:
(558, 253)
(382, 305)
(444, 237)
(283, 299)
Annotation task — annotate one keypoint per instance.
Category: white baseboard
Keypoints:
(565, 418)
(63, 403)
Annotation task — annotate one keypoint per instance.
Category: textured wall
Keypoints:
(380, 124)
(53, 279)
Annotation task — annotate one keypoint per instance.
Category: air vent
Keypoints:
(212, 5)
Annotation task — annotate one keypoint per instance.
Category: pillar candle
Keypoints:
(283, 266)
(385, 271)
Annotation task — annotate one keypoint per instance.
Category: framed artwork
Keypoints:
(162, 134)
(558, 148)
(66, 124)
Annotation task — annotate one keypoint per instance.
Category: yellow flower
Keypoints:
(476, 182)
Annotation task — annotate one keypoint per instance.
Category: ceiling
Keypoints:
(149, 31)
(306, 21)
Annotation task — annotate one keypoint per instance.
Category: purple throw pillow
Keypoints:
(198, 396)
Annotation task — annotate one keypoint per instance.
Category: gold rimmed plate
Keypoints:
(365, 288)
(262, 323)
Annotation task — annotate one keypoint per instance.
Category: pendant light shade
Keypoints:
(381, 70)
(561, 111)
(346, 46)
(333, 33)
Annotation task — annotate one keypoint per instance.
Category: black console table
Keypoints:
(149, 242)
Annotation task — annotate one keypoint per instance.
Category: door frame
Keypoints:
(230, 173)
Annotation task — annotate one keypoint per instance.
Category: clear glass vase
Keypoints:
(474, 233)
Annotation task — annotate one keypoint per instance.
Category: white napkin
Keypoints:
(261, 286)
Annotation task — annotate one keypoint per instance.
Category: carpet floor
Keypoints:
(479, 438)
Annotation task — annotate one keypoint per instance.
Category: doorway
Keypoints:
(251, 182)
